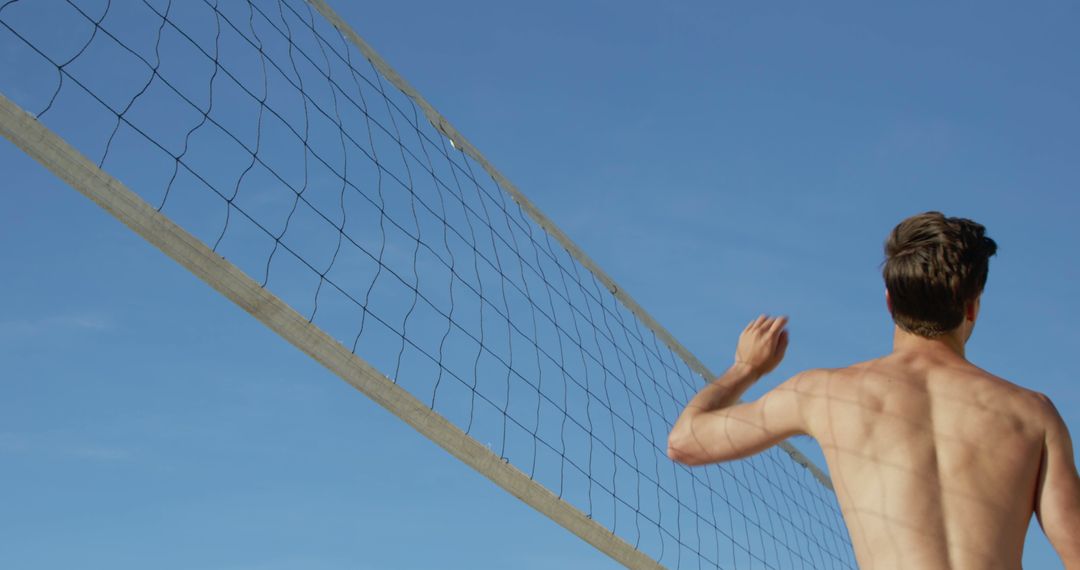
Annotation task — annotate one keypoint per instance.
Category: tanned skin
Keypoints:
(937, 464)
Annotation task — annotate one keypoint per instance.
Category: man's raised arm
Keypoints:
(715, 427)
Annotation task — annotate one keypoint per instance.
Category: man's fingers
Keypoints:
(754, 324)
(766, 324)
(777, 325)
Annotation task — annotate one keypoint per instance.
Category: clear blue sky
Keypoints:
(717, 161)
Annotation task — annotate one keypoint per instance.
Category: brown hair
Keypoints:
(934, 266)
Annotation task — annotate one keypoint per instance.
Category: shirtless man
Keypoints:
(937, 464)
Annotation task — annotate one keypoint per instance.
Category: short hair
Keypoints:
(934, 266)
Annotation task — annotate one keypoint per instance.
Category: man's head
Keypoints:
(935, 269)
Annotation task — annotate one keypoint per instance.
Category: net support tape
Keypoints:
(63, 160)
(460, 142)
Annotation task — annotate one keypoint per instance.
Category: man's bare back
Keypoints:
(935, 462)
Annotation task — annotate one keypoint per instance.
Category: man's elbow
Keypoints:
(677, 451)
(674, 454)
(678, 456)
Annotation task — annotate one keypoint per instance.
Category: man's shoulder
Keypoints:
(1036, 400)
(824, 381)
(841, 374)
(1034, 409)
(1046, 412)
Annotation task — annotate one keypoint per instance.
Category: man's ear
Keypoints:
(971, 310)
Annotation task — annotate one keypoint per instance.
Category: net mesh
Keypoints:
(258, 128)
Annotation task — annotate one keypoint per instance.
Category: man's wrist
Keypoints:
(744, 371)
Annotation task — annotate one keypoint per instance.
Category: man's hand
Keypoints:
(762, 344)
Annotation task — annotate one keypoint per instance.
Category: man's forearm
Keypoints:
(720, 393)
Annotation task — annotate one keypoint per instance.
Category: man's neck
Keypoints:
(951, 342)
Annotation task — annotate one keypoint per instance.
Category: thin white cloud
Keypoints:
(23, 328)
(100, 453)
(12, 442)
(56, 444)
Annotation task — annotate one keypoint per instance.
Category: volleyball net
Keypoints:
(268, 149)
